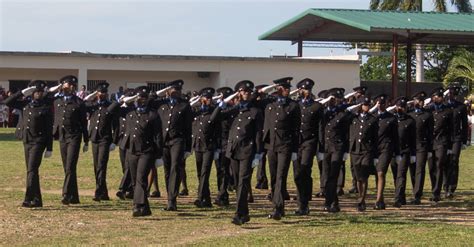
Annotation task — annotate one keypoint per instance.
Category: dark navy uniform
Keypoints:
(363, 144)
(424, 134)
(204, 142)
(176, 120)
(261, 101)
(125, 187)
(100, 135)
(70, 126)
(308, 140)
(280, 137)
(35, 130)
(458, 139)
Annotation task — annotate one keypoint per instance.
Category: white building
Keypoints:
(129, 71)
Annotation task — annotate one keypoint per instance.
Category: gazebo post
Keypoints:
(408, 75)
(300, 48)
(394, 66)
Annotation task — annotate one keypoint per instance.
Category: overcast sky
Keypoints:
(222, 28)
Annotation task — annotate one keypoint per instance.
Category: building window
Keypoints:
(92, 84)
(155, 86)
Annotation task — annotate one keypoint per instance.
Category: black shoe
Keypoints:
(245, 218)
(141, 211)
(155, 194)
(65, 200)
(269, 196)
(265, 186)
(96, 199)
(120, 194)
(286, 196)
(361, 206)
(170, 208)
(340, 192)
(334, 209)
(206, 204)
(129, 195)
(74, 201)
(326, 208)
(435, 199)
(231, 188)
(449, 195)
(184, 192)
(275, 215)
(221, 202)
(302, 211)
(236, 220)
(250, 199)
(379, 206)
(397, 204)
(36, 204)
(320, 194)
(353, 190)
(26, 204)
(415, 202)
(258, 186)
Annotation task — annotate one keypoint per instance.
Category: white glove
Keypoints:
(112, 147)
(376, 161)
(55, 88)
(294, 156)
(267, 89)
(193, 103)
(217, 154)
(446, 92)
(412, 159)
(430, 154)
(427, 101)
(326, 100)
(47, 154)
(28, 91)
(90, 96)
(194, 98)
(158, 163)
(450, 151)
(130, 99)
(464, 146)
(162, 92)
(398, 159)
(255, 163)
(217, 97)
(345, 156)
(320, 156)
(258, 156)
(349, 95)
(85, 148)
(374, 108)
(391, 108)
(294, 92)
(353, 107)
(187, 154)
(230, 97)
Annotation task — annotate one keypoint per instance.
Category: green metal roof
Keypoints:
(374, 26)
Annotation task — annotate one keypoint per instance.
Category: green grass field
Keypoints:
(449, 222)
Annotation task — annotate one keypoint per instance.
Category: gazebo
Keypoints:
(368, 26)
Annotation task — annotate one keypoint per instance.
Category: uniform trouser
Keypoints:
(140, 166)
(222, 170)
(331, 166)
(354, 179)
(100, 154)
(322, 176)
(342, 176)
(204, 165)
(394, 169)
(173, 159)
(126, 182)
(70, 155)
(450, 177)
(33, 156)
(279, 163)
(261, 171)
(401, 181)
(437, 165)
(242, 170)
(417, 172)
(302, 169)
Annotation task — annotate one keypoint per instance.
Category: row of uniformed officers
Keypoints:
(240, 129)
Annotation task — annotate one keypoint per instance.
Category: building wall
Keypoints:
(119, 70)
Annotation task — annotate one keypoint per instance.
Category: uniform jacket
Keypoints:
(363, 134)
(70, 119)
(204, 137)
(388, 133)
(424, 130)
(335, 130)
(101, 127)
(406, 134)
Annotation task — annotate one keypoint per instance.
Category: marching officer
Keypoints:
(442, 132)
(223, 162)
(261, 102)
(204, 144)
(35, 130)
(280, 137)
(363, 149)
(101, 135)
(176, 120)
(308, 140)
(143, 142)
(387, 146)
(458, 139)
(244, 145)
(70, 127)
(423, 138)
(407, 143)
(322, 176)
(335, 138)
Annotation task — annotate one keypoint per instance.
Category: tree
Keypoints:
(461, 69)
